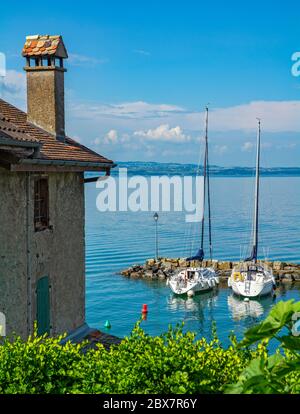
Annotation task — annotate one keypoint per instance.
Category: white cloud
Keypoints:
(126, 110)
(111, 137)
(142, 52)
(220, 149)
(277, 116)
(164, 133)
(2, 65)
(14, 86)
(247, 146)
(82, 60)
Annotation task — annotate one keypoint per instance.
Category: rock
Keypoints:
(224, 265)
(127, 272)
(287, 276)
(290, 268)
(195, 263)
(137, 268)
(161, 274)
(148, 274)
(150, 262)
(215, 264)
(135, 275)
(167, 265)
(278, 265)
(183, 263)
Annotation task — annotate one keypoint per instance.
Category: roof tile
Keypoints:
(51, 148)
(53, 44)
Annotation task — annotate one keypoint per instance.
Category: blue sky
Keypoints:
(140, 73)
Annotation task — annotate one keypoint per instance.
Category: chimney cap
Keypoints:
(43, 46)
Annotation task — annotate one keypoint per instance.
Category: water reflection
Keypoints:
(197, 312)
(194, 305)
(249, 312)
(241, 309)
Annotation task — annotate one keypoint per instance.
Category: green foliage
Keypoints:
(174, 362)
(171, 363)
(278, 373)
(38, 365)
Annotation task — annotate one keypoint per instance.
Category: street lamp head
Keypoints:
(155, 216)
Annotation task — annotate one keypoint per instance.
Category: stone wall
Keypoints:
(165, 267)
(13, 257)
(45, 98)
(57, 252)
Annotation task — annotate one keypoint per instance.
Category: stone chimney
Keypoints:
(45, 83)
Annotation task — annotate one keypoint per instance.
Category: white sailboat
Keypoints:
(192, 280)
(198, 279)
(252, 278)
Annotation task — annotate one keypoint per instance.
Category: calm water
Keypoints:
(116, 240)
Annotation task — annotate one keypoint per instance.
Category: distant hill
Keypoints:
(156, 168)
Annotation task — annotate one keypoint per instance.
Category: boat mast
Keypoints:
(256, 202)
(208, 202)
(204, 180)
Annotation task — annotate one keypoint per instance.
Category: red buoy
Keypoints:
(145, 309)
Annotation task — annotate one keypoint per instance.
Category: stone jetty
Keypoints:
(163, 268)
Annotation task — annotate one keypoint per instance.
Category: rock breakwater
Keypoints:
(163, 268)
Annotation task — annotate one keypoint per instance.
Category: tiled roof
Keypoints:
(19, 130)
(44, 46)
(14, 132)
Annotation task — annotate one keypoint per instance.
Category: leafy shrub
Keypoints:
(278, 373)
(174, 362)
(170, 363)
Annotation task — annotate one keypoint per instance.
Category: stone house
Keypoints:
(42, 216)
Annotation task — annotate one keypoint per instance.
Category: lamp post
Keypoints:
(156, 235)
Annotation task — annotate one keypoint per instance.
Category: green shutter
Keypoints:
(43, 306)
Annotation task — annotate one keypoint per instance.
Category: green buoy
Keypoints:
(107, 324)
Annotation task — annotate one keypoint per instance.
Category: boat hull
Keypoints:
(255, 290)
(196, 288)
(252, 280)
(205, 281)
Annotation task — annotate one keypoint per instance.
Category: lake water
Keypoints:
(115, 241)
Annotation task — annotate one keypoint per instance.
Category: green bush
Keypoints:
(174, 362)
(171, 363)
(277, 373)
